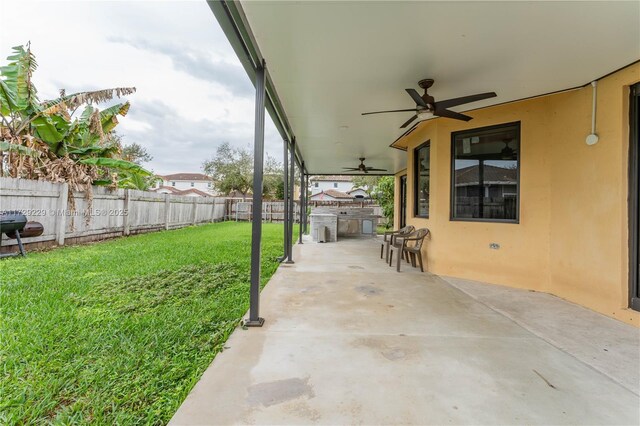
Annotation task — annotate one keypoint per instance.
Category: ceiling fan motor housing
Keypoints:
(429, 100)
(425, 83)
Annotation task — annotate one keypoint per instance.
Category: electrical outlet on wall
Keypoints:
(494, 246)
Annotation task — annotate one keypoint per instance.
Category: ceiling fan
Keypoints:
(427, 107)
(507, 152)
(363, 168)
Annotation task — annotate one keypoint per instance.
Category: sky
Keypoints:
(192, 93)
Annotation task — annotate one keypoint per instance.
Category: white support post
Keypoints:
(126, 223)
(167, 211)
(61, 220)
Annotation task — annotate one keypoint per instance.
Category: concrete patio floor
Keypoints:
(347, 340)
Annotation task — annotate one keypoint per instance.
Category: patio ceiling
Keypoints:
(331, 61)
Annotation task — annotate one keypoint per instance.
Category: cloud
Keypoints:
(192, 92)
(178, 143)
(197, 63)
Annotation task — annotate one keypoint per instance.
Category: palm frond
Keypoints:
(95, 125)
(75, 100)
(60, 108)
(108, 116)
(99, 151)
(19, 92)
(18, 149)
(115, 163)
(7, 98)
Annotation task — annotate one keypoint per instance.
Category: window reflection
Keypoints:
(485, 178)
(422, 167)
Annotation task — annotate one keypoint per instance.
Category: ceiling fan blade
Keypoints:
(351, 168)
(373, 169)
(448, 103)
(416, 97)
(451, 114)
(409, 121)
(393, 110)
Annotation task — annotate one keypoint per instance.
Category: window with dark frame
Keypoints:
(485, 174)
(403, 201)
(422, 169)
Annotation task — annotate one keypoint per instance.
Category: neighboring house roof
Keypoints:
(359, 193)
(194, 191)
(356, 190)
(338, 195)
(492, 174)
(168, 188)
(176, 191)
(332, 178)
(186, 176)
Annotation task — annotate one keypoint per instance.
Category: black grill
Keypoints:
(12, 221)
(14, 224)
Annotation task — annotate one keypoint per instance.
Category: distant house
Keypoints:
(186, 182)
(494, 182)
(359, 193)
(487, 189)
(323, 183)
(331, 195)
(238, 194)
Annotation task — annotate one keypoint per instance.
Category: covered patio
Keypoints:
(349, 340)
(538, 98)
(496, 158)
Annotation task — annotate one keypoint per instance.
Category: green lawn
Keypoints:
(118, 332)
(381, 229)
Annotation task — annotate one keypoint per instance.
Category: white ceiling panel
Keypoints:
(330, 61)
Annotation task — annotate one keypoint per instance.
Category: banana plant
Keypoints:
(49, 140)
(137, 181)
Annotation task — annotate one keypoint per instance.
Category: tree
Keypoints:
(273, 179)
(368, 183)
(384, 195)
(46, 140)
(231, 169)
(136, 153)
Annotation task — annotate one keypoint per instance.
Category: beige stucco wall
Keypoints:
(572, 239)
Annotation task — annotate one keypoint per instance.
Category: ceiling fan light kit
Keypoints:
(424, 115)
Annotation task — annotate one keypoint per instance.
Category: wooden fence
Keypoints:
(108, 214)
(273, 211)
(114, 213)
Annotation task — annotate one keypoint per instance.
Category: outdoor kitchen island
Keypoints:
(329, 223)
